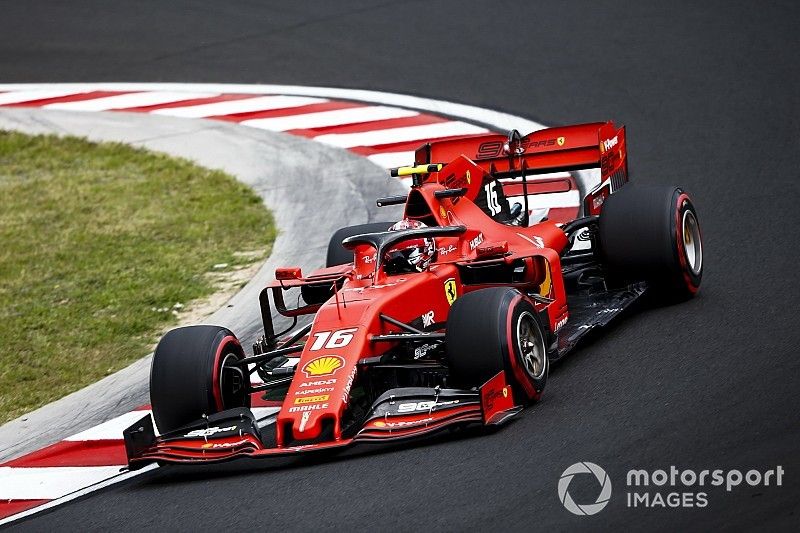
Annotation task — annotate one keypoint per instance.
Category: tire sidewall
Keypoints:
(228, 344)
(525, 385)
(680, 205)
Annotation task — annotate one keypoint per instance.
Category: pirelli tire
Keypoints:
(194, 374)
(493, 330)
(339, 255)
(651, 233)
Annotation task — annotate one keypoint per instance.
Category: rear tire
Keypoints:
(651, 233)
(493, 330)
(191, 376)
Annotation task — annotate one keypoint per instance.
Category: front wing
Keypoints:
(397, 414)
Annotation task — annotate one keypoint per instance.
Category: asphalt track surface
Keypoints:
(711, 97)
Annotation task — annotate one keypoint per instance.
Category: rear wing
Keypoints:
(560, 149)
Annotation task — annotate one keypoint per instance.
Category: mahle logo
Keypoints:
(585, 508)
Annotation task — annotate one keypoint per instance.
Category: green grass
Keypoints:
(97, 244)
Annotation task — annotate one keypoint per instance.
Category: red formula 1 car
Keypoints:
(450, 317)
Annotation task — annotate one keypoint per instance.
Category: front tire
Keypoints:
(652, 233)
(493, 330)
(193, 375)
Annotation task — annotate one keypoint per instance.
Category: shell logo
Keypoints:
(325, 365)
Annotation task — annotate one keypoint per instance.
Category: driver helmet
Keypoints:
(410, 256)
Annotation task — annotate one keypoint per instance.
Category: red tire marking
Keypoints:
(519, 373)
(215, 389)
(683, 197)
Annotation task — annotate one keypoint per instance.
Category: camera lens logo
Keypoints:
(586, 508)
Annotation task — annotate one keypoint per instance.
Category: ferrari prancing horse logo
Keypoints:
(450, 290)
(560, 141)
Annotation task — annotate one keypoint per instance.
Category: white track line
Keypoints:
(398, 135)
(122, 101)
(78, 493)
(112, 429)
(51, 482)
(392, 159)
(17, 97)
(231, 107)
(337, 117)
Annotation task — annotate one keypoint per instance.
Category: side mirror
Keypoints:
(288, 273)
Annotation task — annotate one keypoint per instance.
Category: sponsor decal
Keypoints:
(304, 420)
(428, 319)
(496, 148)
(442, 212)
(349, 384)
(542, 143)
(447, 250)
(309, 407)
(207, 432)
(608, 144)
(535, 240)
(320, 390)
(493, 395)
(401, 423)
(311, 399)
(450, 290)
(423, 350)
(457, 182)
(422, 406)
(217, 445)
(318, 383)
(369, 259)
(324, 365)
(474, 243)
(560, 323)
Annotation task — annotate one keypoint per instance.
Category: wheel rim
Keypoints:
(692, 243)
(231, 381)
(530, 344)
